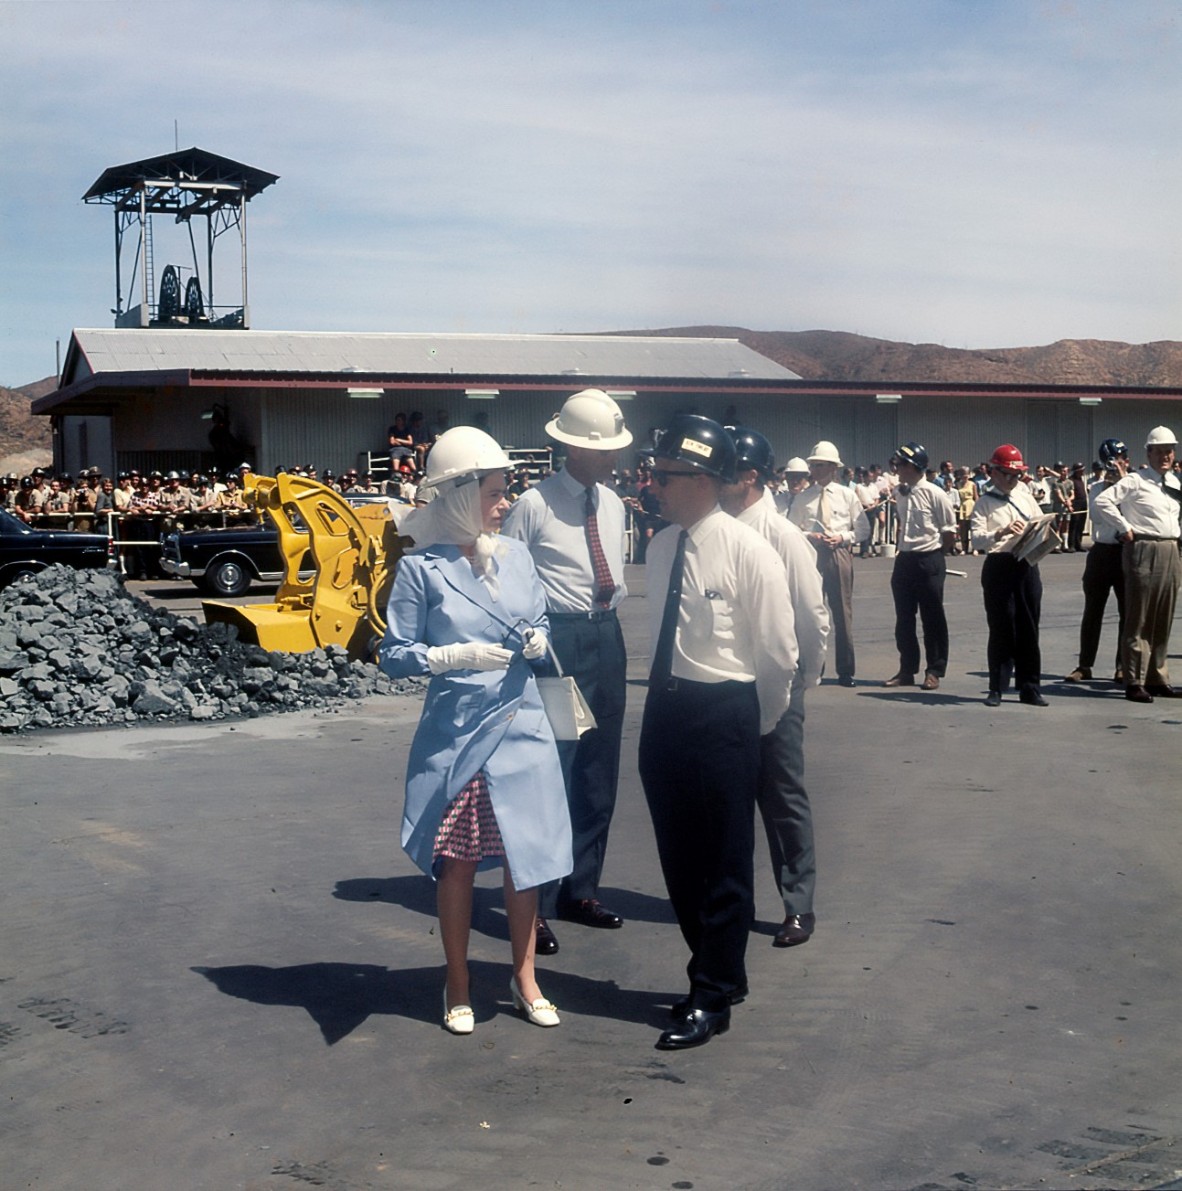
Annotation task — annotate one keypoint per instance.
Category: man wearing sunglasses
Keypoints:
(724, 656)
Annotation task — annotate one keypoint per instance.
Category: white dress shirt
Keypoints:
(804, 585)
(846, 516)
(1103, 534)
(994, 511)
(1138, 502)
(550, 519)
(735, 620)
(925, 514)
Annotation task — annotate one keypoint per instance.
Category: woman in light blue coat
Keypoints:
(484, 784)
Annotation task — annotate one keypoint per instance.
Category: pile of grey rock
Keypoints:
(76, 649)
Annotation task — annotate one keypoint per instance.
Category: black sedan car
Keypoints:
(25, 549)
(224, 562)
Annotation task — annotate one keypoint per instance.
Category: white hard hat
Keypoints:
(590, 419)
(463, 453)
(1161, 436)
(796, 466)
(825, 452)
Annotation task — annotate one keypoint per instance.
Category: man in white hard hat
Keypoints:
(1144, 513)
(574, 526)
(832, 517)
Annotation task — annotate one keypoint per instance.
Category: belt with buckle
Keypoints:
(596, 614)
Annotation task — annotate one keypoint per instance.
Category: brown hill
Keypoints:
(22, 434)
(837, 355)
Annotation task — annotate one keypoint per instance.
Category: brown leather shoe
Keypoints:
(1079, 674)
(1162, 690)
(931, 682)
(797, 929)
(901, 679)
(590, 912)
(1138, 694)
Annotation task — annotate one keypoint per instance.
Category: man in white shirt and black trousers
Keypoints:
(927, 529)
(574, 526)
(724, 656)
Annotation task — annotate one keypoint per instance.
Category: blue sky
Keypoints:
(972, 174)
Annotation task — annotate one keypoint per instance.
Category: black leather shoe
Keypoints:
(1161, 690)
(679, 1009)
(1138, 694)
(845, 680)
(590, 912)
(797, 929)
(1032, 697)
(697, 1027)
(544, 941)
(993, 699)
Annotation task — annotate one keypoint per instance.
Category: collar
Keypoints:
(701, 531)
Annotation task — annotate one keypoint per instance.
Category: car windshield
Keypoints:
(10, 524)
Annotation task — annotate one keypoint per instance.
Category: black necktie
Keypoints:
(662, 669)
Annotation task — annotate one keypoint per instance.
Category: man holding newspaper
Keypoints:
(1009, 526)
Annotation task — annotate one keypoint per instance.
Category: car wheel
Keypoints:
(227, 577)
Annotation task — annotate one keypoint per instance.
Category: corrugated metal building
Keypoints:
(131, 397)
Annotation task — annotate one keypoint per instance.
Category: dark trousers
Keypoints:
(593, 652)
(837, 582)
(699, 764)
(917, 583)
(784, 807)
(1103, 573)
(1075, 530)
(1012, 590)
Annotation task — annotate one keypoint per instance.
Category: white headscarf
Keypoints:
(453, 518)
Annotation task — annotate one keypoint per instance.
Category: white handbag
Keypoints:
(566, 709)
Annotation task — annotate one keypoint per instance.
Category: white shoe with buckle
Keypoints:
(458, 1020)
(539, 1012)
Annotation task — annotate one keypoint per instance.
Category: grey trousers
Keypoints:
(837, 582)
(784, 804)
(1152, 573)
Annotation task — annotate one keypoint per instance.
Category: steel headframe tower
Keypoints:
(184, 184)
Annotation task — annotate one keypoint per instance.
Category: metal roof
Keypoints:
(286, 353)
(174, 172)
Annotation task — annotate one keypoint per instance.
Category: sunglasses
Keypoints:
(663, 477)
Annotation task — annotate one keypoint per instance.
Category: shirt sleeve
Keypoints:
(403, 650)
(773, 631)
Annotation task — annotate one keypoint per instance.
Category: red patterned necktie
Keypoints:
(605, 586)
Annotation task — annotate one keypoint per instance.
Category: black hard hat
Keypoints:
(752, 451)
(913, 453)
(699, 442)
(1113, 448)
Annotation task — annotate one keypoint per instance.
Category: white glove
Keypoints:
(474, 655)
(535, 644)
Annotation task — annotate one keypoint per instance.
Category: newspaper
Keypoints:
(1038, 539)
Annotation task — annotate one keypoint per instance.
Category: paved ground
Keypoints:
(218, 970)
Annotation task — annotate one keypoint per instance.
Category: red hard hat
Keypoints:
(1007, 457)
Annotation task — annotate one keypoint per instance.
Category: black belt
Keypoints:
(1144, 537)
(597, 614)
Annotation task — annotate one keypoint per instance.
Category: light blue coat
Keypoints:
(473, 719)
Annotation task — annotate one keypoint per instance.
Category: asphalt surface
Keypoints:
(218, 969)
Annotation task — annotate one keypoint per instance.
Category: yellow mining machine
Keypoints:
(355, 548)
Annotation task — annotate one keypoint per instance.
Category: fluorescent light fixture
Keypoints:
(739, 372)
(573, 372)
(366, 394)
(620, 394)
(482, 394)
(888, 398)
(1090, 400)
